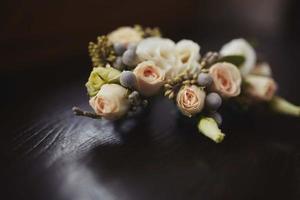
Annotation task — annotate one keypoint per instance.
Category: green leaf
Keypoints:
(281, 105)
(237, 60)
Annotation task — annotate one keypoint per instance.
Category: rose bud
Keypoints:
(190, 100)
(226, 79)
(209, 127)
(260, 87)
(111, 102)
(262, 69)
(125, 35)
(150, 78)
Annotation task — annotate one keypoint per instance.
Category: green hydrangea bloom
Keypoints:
(100, 76)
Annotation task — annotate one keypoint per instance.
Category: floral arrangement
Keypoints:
(132, 64)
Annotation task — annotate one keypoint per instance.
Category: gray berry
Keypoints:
(129, 58)
(213, 101)
(119, 48)
(204, 79)
(132, 46)
(119, 64)
(217, 117)
(128, 79)
(134, 98)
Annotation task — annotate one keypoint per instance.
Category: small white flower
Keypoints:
(241, 47)
(172, 58)
(188, 55)
(161, 51)
(125, 35)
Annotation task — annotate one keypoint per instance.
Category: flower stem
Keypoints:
(209, 127)
(79, 112)
(281, 105)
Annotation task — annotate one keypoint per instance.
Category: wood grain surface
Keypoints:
(56, 155)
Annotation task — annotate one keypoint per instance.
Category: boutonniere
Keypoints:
(130, 65)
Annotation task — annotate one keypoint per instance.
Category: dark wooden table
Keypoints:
(47, 153)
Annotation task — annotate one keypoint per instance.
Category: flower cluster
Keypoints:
(132, 64)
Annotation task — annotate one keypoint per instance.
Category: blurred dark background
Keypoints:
(44, 64)
(53, 35)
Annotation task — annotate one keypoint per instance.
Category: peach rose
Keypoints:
(190, 100)
(150, 78)
(241, 47)
(111, 102)
(125, 35)
(260, 87)
(226, 79)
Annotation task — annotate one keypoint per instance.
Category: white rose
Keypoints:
(161, 51)
(241, 47)
(260, 87)
(111, 102)
(125, 35)
(188, 55)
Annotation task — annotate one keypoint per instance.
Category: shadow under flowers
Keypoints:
(165, 158)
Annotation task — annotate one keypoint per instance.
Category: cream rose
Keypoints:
(111, 102)
(241, 47)
(150, 78)
(161, 51)
(188, 55)
(260, 87)
(226, 79)
(190, 100)
(125, 35)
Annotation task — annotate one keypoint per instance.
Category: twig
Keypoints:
(78, 111)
